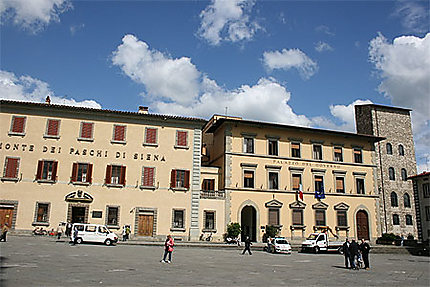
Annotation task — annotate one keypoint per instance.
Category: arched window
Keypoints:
(406, 200)
(389, 148)
(396, 220)
(391, 173)
(404, 174)
(394, 201)
(408, 219)
(401, 150)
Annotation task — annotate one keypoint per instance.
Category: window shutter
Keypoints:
(296, 182)
(151, 136)
(53, 127)
(18, 124)
(90, 173)
(54, 170)
(273, 216)
(11, 168)
(74, 172)
(119, 133)
(87, 130)
(248, 174)
(39, 169)
(181, 138)
(339, 183)
(187, 179)
(148, 176)
(297, 217)
(108, 174)
(122, 176)
(173, 178)
(295, 145)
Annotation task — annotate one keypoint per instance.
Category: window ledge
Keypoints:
(16, 134)
(51, 137)
(40, 223)
(293, 227)
(80, 183)
(177, 229)
(113, 226)
(342, 228)
(46, 181)
(118, 142)
(179, 189)
(147, 187)
(181, 147)
(114, 185)
(86, 139)
(209, 230)
(150, 144)
(15, 179)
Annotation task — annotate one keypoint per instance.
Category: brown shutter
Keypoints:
(148, 176)
(11, 168)
(87, 130)
(187, 179)
(297, 217)
(296, 182)
(53, 127)
(339, 183)
(108, 174)
(295, 145)
(18, 124)
(39, 169)
(248, 174)
(151, 136)
(181, 138)
(90, 173)
(54, 170)
(119, 133)
(74, 172)
(173, 178)
(273, 216)
(122, 176)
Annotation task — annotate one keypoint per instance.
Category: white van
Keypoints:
(93, 233)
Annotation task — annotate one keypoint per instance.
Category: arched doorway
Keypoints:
(248, 223)
(362, 225)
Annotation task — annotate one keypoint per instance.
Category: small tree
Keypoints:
(271, 231)
(233, 230)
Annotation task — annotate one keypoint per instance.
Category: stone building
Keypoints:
(395, 157)
(421, 183)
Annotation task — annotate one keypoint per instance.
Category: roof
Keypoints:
(100, 111)
(385, 107)
(424, 173)
(216, 124)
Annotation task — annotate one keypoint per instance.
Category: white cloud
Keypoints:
(228, 21)
(76, 28)
(325, 30)
(404, 68)
(288, 59)
(323, 47)
(414, 16)
(26, 88)
(33, 15)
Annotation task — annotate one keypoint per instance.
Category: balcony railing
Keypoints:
(212, 194)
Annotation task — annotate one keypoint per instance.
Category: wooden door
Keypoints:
(6, 215)
(362, 225)
(145, 225)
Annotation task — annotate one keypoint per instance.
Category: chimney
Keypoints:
(143, 110)
(48, 100)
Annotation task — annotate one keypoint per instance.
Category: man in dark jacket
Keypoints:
(247, 246)
(353, 252)
(365, 248)
(345, 249)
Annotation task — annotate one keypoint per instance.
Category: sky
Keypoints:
(304, 63)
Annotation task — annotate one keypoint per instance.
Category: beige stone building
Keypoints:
(421, 184)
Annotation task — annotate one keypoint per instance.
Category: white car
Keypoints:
(281, 245)
(93, 233)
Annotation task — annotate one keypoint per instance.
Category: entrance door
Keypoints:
(78, 214)
(145, 225)
(6, 214)
(362, 225)
(249, 223)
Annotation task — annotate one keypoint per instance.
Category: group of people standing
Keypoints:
(352, 250)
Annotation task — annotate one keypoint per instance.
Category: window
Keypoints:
(404, 174)
(82, 173)
(297, 217)
(148, 176)
(340, 187)
(181, 139)
(112, 215)
(341, 218)
(178, 218)
(359, 182)
(317, 152)
(407, 200)
(208, 185)
(86, 132)
(52, 128)
(319, 183)
(11, 168)
(297, 181)
(273, 180)
(180, 179)
(394, 202)
(408, 219)
(320, 217)
(42, 212)
(97, 214)
(338, 154)
(396, 220)
(17, 126)
(118, 135)
(248, 178)
(427, 213)
(47, 170)
(426, 190)
(150, 136)
(115, 175)
(248, 145)
(273, 147)
(401, 150)
(358, 155)
(209, 218)
(90, 228)
(389, 148)
(273, 216)
(391, 173)
(295, 149)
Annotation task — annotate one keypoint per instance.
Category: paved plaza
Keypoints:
(36, 261)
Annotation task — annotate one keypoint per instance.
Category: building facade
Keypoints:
(395, 157)
(421, 184)
(297, 179)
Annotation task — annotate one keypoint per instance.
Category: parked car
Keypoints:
(280, 245)
(421, 249)
(317, 242)
(95, 233)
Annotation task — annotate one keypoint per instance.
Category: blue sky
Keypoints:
(295, 62)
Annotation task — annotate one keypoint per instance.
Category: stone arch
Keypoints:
(249, 219)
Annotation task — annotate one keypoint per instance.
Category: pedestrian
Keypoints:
(238, 240)
(345, 249)
(75, 236)
(168, 249)
(402, 240)
(68, 229)
(248, 244)
(124, 233)
(353, 253)
(59, 231)
(127, 232)
(365, 248)
(4, 231)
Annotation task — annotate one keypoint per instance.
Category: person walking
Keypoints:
(59, 231)
(168, 249)
(353, 253)
(68, 229)
(75, 236)
(345, 249)
(124, 233)
(127, 232)
(365, 248)
(248, 244)
(4, 231)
